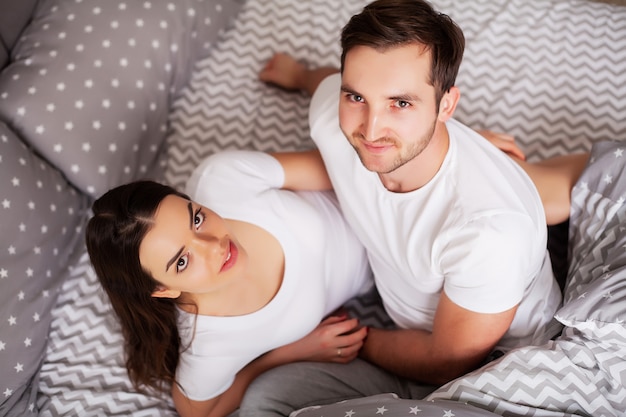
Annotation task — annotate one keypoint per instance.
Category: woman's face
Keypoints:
(190, 250)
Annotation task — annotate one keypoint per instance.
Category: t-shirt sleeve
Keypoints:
(203, 378)
(488, 263)
(324, 107)
(234, 176)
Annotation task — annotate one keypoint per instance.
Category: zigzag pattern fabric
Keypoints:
(572, 376)
(533, 69)
(536, 70)
(84, 373)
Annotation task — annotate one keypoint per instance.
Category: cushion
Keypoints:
(92, 81)
(41, 221)
(15, 15)
(595, 294)
(390, 405)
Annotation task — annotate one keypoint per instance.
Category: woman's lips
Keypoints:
(231, 257)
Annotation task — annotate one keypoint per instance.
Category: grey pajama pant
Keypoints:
(290, 387)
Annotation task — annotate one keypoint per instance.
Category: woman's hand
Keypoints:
(336, 339)
(506, 143)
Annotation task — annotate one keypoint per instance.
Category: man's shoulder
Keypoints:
(325, 99)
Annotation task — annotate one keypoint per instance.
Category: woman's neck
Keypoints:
(260, 280)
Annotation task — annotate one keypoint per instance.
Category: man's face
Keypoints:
(387, 108)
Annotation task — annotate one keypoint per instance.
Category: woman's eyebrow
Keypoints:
(191, 216)
(174, 258)
(180, 251)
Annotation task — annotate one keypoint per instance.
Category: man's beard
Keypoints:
(410, 153)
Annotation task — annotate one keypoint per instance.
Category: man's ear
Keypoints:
(448, 103)
(163, 292)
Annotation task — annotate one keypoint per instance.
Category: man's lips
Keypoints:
(374, 147)
(231, 256)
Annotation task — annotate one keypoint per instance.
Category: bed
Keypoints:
(550, 72)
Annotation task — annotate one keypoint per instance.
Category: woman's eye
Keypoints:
(198, 219)
(182, 262)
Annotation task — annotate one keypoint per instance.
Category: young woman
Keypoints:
(213, 291)
(208, 298)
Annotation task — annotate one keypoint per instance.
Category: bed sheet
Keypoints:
(519, 56)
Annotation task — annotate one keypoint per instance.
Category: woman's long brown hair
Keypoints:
(121, 219)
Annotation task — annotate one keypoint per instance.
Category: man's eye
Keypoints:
(182, 262)
(402, 104)
(356, 98)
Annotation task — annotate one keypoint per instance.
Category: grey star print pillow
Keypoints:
(595, 292)
(390, 405)
(41, 223)
(91, 81)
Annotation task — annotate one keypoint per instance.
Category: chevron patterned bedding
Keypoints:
(551, 72)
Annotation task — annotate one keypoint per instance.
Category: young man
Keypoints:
(455, 231)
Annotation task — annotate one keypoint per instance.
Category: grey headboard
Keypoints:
(14, 15)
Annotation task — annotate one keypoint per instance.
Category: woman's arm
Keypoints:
(304, 170)
(554, 177)
(336, 339)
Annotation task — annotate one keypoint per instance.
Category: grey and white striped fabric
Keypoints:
(551, 72)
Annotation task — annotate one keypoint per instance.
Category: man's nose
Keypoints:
(372, 125)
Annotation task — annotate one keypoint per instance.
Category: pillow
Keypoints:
(390, 405)
(595, 294)
(91, 83)
(41, 221)
(15, 14)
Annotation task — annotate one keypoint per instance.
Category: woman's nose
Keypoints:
(209, 243)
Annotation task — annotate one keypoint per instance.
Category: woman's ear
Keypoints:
(163, 292)
(448, 103)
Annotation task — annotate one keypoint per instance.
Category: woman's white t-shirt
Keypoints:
(325, 265)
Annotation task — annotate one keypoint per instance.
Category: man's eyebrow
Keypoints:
(395, 97)
(347, 89)
(405, 97)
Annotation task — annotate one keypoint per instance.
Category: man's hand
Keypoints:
(459, 342)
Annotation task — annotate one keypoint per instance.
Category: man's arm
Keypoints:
(460, 341)
(284, 71)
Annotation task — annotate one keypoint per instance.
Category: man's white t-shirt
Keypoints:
(325, 265)
(477, 230)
